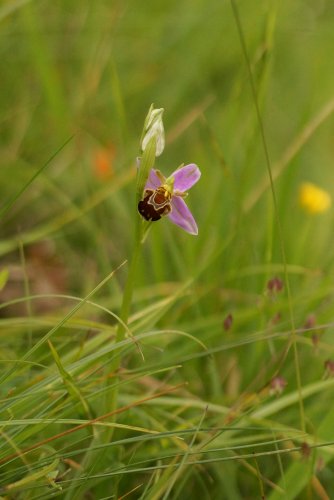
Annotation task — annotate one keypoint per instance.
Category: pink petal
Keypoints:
(181, 215)
(153, 181)
(186, 177)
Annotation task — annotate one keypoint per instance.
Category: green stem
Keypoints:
(141, 227)
(127, 297)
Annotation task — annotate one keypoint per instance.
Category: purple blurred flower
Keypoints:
(166, 197)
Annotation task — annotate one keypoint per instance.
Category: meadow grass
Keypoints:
(219, 382)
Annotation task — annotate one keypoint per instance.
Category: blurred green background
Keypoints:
(91, 70)
(77, 79)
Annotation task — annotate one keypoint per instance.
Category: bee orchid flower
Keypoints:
(165, 197)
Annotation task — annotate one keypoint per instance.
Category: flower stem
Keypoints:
(127, 296)
(141, 227)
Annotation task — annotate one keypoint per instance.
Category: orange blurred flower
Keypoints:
(103, 162)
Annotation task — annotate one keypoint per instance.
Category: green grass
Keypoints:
(183, 405)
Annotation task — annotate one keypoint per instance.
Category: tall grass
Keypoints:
(224, 378)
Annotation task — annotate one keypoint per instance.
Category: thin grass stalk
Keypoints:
(292, 340)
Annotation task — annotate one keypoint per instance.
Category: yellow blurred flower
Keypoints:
(313, 199)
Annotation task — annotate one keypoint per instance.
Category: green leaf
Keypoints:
(43, 473)
(72, 388)
(4, 274)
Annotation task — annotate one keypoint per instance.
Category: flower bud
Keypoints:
(277, 385)
(329, 367)
(275, 285)
(154, 127)
(227, 323)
